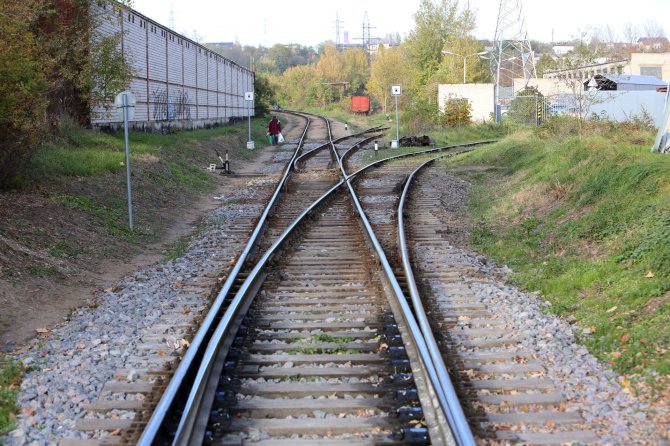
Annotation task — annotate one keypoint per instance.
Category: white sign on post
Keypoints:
(249, 97)
(130, 105)
(396, 90)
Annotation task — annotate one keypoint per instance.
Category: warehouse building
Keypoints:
(177, 82)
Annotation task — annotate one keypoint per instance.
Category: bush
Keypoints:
(457, 113)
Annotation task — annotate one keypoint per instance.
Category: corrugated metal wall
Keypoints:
(175, 80)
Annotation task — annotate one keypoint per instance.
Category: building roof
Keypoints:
(653, 40)
(635, 79)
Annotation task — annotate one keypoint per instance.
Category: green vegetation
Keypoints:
(81, 152)
(11, 374)
(49, 69)
(586, 222)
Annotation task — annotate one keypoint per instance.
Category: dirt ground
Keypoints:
(54, 257)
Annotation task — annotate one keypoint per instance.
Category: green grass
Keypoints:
(586, 222)
(11, 374)
(113, 216)
(81, 152)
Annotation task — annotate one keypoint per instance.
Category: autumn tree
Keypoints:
(356, 69)
(22, 102)
(390, 67)
(303, 86)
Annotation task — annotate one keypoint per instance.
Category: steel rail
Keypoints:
(433, 364)
(460, 425)
(302, 158)
(189, 431)
(174, 386)
(192, 424)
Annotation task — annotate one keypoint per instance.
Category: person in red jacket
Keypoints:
(274, 128)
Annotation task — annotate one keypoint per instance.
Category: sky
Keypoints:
(310, 22)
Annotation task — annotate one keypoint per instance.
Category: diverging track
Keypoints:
(315, 343)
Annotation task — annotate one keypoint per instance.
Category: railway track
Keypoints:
(503, 386)
(328, 352)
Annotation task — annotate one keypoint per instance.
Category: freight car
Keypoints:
(360, 104)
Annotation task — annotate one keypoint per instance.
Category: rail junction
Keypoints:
(330, 328)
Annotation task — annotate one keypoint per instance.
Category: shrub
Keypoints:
(457, 113)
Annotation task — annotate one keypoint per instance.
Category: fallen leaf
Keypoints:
(80, 346)
(42, 330)
(185, 310)
(649, 275)
(30, 411)
(184, 343)
(624, 338)
(177, 285)
(161, 352)
(615, 355)
(115, 433)
(612, 309)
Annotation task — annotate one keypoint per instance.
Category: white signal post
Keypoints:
(396, 90)
(125, 104)
(249, 98)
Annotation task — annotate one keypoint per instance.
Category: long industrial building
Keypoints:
(177, 82)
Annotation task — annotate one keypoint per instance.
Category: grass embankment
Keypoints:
(162, 166)
(585, 221)
(80, 177)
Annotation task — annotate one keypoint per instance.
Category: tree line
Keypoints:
(303, 76)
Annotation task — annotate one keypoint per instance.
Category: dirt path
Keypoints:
(31, 303)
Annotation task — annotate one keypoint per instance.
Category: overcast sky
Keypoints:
(309, 22)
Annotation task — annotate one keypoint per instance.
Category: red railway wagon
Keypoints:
(360, 104)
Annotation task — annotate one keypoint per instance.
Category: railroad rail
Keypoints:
(505, 389)
(392, 321)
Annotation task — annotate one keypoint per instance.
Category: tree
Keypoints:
(264, 94)
(426, 41)
(457, 112)
(22, 102)
(546, 63)
(390, 67)
(303, 86)
(356, 69)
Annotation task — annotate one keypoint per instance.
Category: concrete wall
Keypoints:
(177, 83)
(480, 97)
(658, 60)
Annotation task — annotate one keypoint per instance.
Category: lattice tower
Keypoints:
(512, 55)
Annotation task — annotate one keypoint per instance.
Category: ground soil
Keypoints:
(55, 257)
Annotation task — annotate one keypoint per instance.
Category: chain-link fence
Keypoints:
(535, 109)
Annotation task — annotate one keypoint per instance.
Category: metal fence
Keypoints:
(534, 110)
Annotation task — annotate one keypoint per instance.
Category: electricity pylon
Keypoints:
(512, 55)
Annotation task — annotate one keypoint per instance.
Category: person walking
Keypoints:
(274, 128)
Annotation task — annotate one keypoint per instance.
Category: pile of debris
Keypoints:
(415, 141)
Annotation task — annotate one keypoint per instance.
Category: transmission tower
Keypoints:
(171, 22)
(512, 55)
(367, 36)
(338, 24)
